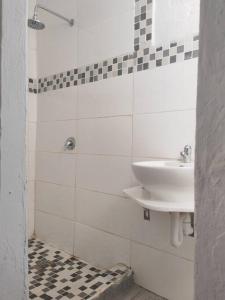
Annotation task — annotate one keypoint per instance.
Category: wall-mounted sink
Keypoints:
(166, 180)
(166, 186)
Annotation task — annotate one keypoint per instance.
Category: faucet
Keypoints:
(186, 154)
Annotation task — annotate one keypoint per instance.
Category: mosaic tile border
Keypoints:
(142, 23)
(144, 57)
(33, 85)
(54, 274)
(150, 58)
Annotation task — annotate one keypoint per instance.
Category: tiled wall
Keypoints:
(112, 20)
(31, 126)
(57, 44)
(80, 205)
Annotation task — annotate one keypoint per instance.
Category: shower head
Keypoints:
(36, 24)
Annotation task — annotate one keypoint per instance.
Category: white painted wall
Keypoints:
(80, 206)
(13, 261)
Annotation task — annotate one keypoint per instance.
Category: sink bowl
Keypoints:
(166, 180)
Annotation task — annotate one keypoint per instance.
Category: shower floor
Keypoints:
(54, 274)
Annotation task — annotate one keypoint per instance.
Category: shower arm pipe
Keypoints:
(70, 21)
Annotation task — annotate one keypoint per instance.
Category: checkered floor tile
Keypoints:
(54, 274)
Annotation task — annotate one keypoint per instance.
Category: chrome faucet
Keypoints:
(186, 154)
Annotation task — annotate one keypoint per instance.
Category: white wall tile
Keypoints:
(100, 248)
(104, 212)
(51, 136)
(100, 10)
(106, 174)
(118, 38)
(30, 201)
(105, 136)
(31, 165)
(31, 118)
(58, 105)
(32, 136)
(156, 232)
(173, 87)
(86, 54)
(69, 10)
(174, 20)
(106, 97)
(32, 107)
(163, 134)
(32, 63)
(118, 35)
(55, 199)
(57, 44)
(32, 39)
(57, 50)
(162, 273)
(54, 230)
(56, 168)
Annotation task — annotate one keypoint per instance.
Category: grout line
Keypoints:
(74, 221)
(53, 183)
(116, 116)
(129, 240)
(136, 242)
(89, 118)
(58, 184)
(55, 215)
(77, 154)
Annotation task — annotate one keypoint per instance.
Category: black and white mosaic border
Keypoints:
(142, 24)
(150, 58)
(144, 57)
(33, 85)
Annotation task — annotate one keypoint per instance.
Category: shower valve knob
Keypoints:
(70, 144)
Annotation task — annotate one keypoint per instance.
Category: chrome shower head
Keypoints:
(36, 24)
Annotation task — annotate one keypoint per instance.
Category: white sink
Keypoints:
(171, 181)
(166, 186)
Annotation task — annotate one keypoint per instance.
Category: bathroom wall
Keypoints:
(13, 258)
(31, 123)
(80, 206)
(210, 178)
(57, 44)
(105, 25)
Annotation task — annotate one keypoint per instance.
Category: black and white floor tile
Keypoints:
(54, 274)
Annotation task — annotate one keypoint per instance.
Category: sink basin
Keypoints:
(166, 186)
(166, 180)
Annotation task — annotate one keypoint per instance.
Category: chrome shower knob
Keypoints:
(70, 144)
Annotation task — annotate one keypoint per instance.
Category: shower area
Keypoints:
(111, 82)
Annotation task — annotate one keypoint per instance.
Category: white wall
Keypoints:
(31, 123)
(13, 260)
(80, 205)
